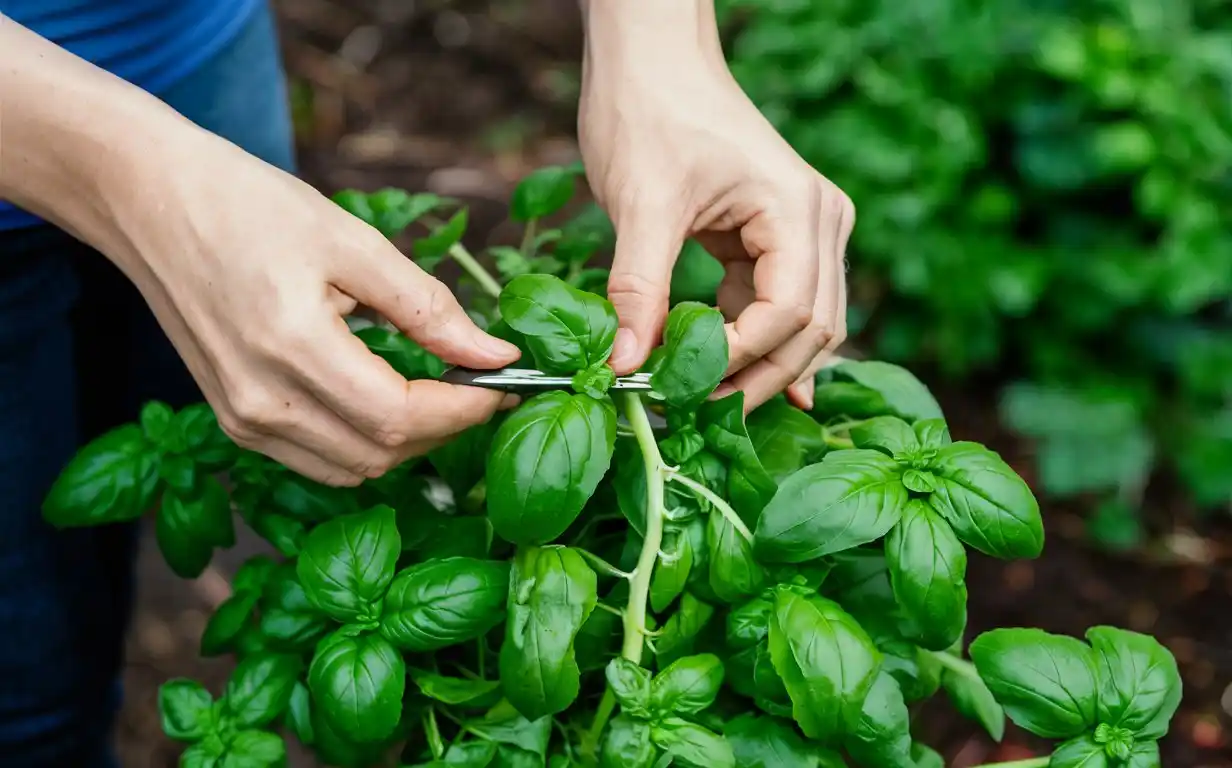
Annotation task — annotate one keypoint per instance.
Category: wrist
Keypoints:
(632, 38)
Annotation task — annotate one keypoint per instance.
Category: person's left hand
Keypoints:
(674, 149)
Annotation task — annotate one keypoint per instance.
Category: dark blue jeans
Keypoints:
(79, 353)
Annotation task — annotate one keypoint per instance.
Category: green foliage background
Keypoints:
(1043, 192)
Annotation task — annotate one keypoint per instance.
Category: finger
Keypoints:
(785, 254)
(736, 290)
(422, 307)
(647, 246)
(306, 463)
(800, 394)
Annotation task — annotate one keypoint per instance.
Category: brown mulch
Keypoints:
(462, 98)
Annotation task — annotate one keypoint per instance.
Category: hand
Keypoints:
(674, 149)
(251, 271)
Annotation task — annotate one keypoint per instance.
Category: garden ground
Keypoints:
(462, 98)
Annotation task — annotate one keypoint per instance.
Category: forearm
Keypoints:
(78, 144)
(645, 36)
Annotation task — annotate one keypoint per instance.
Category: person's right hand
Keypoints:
(251, 271)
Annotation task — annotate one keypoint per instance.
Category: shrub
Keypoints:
(615, 578)
(1044, 193)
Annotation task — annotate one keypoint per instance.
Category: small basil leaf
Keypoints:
(1046, 683)
(204, 441)
(1080, 752)
(734, 573)
(357, 683)
(851, 498)
(680, 632)
(627, 744)
(255, 749)
(410, 360)
(928, 565)
(443, 602)
(671, 571)
(566, 330)
(991, 508)
(551, 593)
(594, 381)
(260, 688)
(177, 530)
(748, 624)
(225, 625)
(887, 434)
(687, 685)
(1139, 684)
(504, 725)
(253, 575)
(289, 621)
(430, 250)
(393, 210)
(722, 424)
(694, 355)
(299, 715)
(542, 192)
(110, 480)
(880, 734)
(185, 708)
(970, 696)
(692, 745)
(630, 684)
(919, 481)
(767, 742)
(903, 394)
(548, 458)
(927, 757)
(932, 433)
(452, 690)
(825, 659)
(347, 563)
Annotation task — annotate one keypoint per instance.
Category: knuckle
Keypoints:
(798, 317)
(632, 286)
(252, 407)
(240, 433)
(819, 334)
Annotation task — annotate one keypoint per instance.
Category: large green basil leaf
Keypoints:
(439, 603)
(566, 329)
(627, 744)
(289, 621)
(971, 698)
(551, 593)
(784, 437)
(180, 526)
(347, 563)
(880, 733)
(680, 632)
(692, 745)
(722, 424)
(255, 749)
(734, 573)
(928, 567)
(259, 689)
(357, 683)
(887, 388)
(888, 434)
(1139, 684)
(185, 708)
(547, 459)
(694, 358)
(335, 749)
(110, 480)
(851, 498)
(671, 572)
(410, 360)
(825, 659)
(687, 685)
(1080, 752)
(1046, 683)
(991, 508)
(453, 690)
(767, 742)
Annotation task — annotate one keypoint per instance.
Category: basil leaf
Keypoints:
(749, 486)
(227, 622)
(289, 620)
(694, 355)
(185, 708)
(428, 251)
(202, 755)
(254, 574)
(347, 563)
(928, 565)
(1145, 754)
(888, 434)
(505, 725)
(680, 632)
(825, 659)
(932, 433)
(255, 749)
(567, 330)
(785, 438)
(542, 192)
(903, 394)
(851, 498)
(551, 593)
(671, 572)
(393, 210)
(444, 602)
(630, 684)
(687, 686)
(1139, 684)
(357, 683)
(309, 501)
(299, 715)
(627, 744)
(332, 748)
(1046, 683)
(178, 532)
(748, 624)
(971, 697)
(1080, 752)
(692, 745)
(734, 574)
(260, 688)
(455, 461)
(880, 736)
(453, 690)
(991, 508)
(110, 480)
(410, 360)
(926, 757)
(548, 458)
(766, 742)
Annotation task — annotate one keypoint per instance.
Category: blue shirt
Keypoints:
(150, 43)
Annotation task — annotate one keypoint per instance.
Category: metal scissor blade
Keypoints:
(518, 380)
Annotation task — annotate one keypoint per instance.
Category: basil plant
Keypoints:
(600, 578)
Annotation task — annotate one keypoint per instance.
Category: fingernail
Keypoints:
(624, 351)
(722, 391)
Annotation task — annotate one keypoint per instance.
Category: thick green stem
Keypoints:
(528, 237)
(1031, 762)
(722, 506)
(458, 253)
(955, 663)
(639, 584)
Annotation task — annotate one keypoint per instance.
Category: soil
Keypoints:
(462, 98)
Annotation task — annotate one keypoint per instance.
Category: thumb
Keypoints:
(423, 308)
(640, 283)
